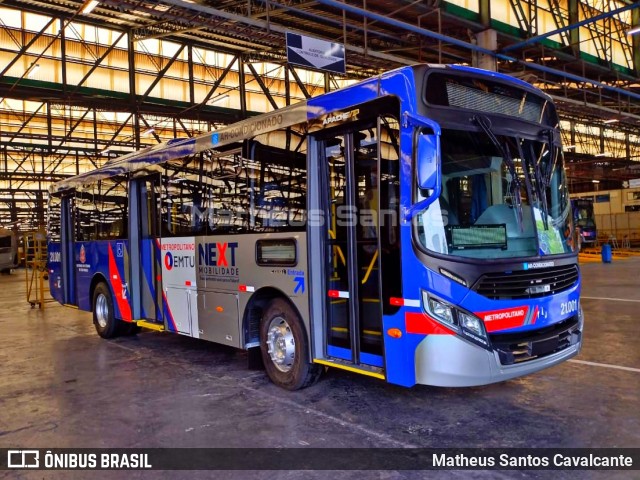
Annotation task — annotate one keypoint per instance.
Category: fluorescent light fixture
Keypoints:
(570, 147)
(148, 132)
(88, 7)
(611, 120)
(219, 98)
(33, 69)
(603, 154)
(105, 151)
(634, 30)
(595, 181)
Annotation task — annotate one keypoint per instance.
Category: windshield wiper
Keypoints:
(541, 186)
(515, 185)
(551, 166)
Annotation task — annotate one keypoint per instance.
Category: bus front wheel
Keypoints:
(284, 347)
(103, 313)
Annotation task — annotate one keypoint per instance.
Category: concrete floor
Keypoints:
(63, 386)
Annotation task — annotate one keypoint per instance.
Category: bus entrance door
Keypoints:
(352, 258)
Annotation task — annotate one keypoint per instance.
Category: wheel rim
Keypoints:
(281, 345)
(102, 310)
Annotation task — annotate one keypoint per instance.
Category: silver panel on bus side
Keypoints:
(218, 317)
(179, 300)
(217, 268)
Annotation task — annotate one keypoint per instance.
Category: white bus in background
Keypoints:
(8, 250)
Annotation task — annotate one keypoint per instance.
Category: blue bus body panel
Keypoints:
(400, 352)
(54, 266)
(109, 259)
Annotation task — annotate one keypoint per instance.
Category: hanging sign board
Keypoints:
(315, 53)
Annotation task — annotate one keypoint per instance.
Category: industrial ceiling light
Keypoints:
(634, 30)
(611, 120)
(570, 147)
(218, 99)
(88, 7)
(32, 70)
(603, 154)
(148, 132)
(595, 181)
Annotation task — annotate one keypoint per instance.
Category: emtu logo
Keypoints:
(168, 260)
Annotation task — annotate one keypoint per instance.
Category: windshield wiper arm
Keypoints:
(483, 122)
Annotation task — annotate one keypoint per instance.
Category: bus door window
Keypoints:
(368, 254)
(337, 273)
(150, 255)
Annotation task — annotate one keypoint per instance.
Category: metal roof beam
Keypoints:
(461, 43)
(573, 26)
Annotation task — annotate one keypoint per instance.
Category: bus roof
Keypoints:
(180, 147)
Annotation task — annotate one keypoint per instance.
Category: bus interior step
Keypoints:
(368, 370)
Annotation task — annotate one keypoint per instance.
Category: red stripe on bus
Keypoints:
(116, 284)
(504, 319)
(419, 322)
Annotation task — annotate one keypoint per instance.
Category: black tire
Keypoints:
(103, 313)
(291, 369)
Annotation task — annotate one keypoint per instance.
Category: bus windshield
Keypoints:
(502, 197)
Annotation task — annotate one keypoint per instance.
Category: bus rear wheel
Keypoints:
(284, 347)
(103, 313)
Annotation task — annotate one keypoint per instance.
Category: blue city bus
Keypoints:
(585, 220)
(415, 227)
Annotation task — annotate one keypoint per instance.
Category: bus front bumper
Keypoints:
(449, 361)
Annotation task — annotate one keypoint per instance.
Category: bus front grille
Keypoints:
(527, 283)
(521, 347)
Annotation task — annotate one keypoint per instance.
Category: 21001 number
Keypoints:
(569, 307)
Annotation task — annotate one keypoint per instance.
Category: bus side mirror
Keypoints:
(428, 161)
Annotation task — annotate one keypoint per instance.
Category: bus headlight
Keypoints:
(442, 311)
(471, 323)
(473, 328)
(464, 323)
